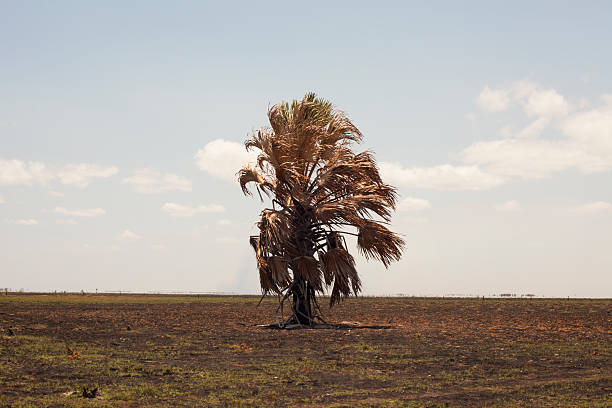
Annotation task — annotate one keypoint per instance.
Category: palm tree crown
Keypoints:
(320, 191)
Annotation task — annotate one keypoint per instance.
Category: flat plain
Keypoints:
(167, 351)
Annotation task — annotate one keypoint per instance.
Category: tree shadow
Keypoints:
(327, 326)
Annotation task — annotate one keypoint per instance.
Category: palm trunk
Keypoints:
(301, 305)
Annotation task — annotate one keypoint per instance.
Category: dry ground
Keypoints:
(208, 351)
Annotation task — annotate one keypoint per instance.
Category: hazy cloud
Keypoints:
(80, 175)
(508, 206)
(534, 129)
(68, 221)
(595, 207)
(28, 221)
(91, 212)
(415, 220)
(149, 181)
(128, 235)
(531, 131)
(591, 130)
(443, 177)
(17, 172)
(493, 100)
(227, 240)
(530, 158)
(183, 211)
(413, 204)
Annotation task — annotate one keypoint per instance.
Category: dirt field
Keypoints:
(209, 351)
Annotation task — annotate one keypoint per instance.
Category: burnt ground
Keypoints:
(210, 351)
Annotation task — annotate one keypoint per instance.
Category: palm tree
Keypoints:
(320, 192)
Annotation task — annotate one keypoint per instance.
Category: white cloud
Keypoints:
(470, 116)
(226, 240)
(530, 158)
(17, 172)
(91, 212)
(443, 177)
(508, 206)
(56, 193)
(584, 103)
(546, 103)
(222, 158)
(149, 181)
(158, 247)
(128, 235)
(506, 131)
(592, 129)
(595, 207)
(535, 100)
(224, 221)
(520, 90)
(413, 204)
(493, 100)
(28, 221)
(80, 175)
(101, 248)
(68, 221)
(183, 211)
(2, 200)
(585, 144)
(534, 129)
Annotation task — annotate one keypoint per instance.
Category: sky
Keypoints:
(122, 126)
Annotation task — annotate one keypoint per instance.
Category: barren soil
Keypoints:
(209, 351)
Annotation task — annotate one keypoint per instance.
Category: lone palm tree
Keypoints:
(320, 191)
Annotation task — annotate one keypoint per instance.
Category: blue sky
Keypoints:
(121, 125)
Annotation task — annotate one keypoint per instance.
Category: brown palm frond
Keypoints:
(377, 241)
(274, 230)
(345, 274)
(340, 128)
(265, 277)
(339, 266)
(249, 175)
(318, 187)
(307, 269)
(254, 242)
(279, 271)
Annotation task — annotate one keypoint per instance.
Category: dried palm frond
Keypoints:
(254, 242)
(377, 241)
(307, 269)
(339, 267)
(265, 277)
(279, 271)
(318, 187)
